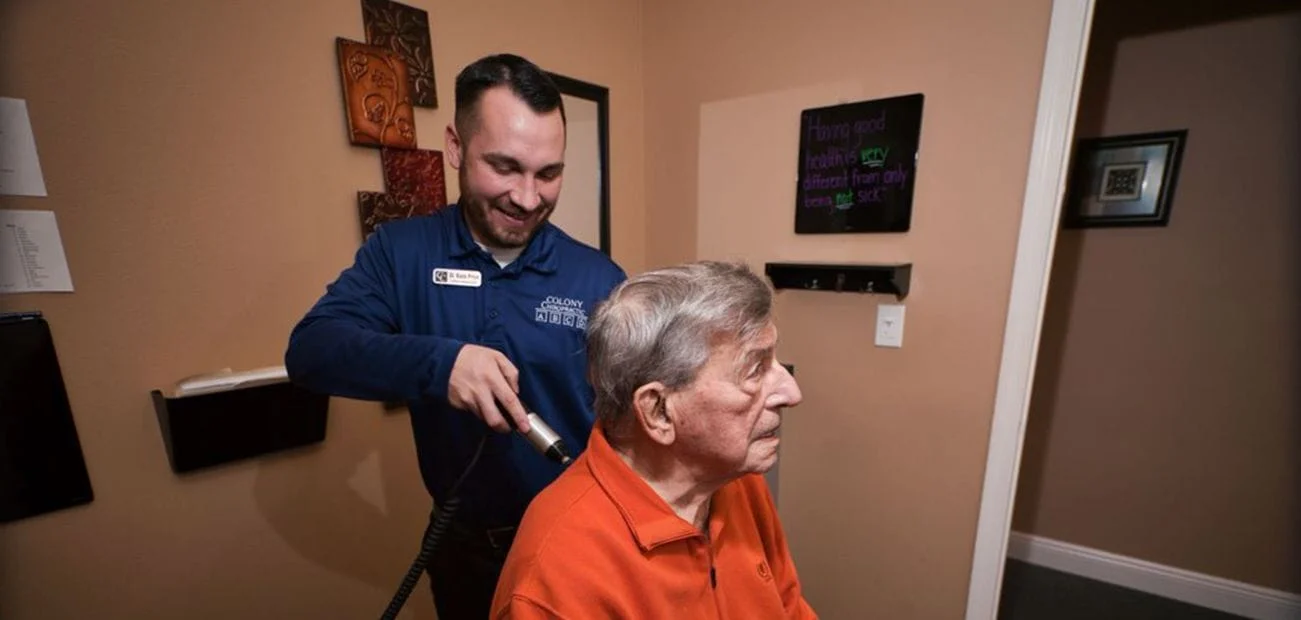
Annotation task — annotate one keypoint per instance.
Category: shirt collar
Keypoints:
(649, 518)
(539, 255)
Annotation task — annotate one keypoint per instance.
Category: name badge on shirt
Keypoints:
(458, 277)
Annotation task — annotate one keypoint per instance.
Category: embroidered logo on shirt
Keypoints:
(561, 311)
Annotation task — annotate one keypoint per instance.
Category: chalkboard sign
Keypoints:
(858, 164)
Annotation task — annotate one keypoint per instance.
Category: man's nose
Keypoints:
(786, 393)
(525, 196)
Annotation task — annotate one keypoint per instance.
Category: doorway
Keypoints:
(1171, 440)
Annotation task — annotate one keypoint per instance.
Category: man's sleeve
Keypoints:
(349, 343)
(784, 574)
(522, 608)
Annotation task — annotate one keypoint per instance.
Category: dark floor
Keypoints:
(1036, 593)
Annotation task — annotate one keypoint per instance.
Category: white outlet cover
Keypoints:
(889, 325)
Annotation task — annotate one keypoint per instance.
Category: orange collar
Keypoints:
(650, 519)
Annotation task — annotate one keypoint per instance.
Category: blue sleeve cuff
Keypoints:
(440, 371)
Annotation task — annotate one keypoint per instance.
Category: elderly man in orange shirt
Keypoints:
(666, 513)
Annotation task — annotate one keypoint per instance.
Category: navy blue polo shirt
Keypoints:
(390, 328)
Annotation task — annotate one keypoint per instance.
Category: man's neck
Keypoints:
(672, 480)
(503, 256)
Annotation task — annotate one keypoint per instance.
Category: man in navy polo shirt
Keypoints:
(471, 314)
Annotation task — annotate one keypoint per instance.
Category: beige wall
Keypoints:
(1164, 423)
(882, 464)
(196, 157)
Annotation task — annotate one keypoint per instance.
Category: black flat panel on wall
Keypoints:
(42, 468)
(857, 166)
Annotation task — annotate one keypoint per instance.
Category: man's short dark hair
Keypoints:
(526, 80)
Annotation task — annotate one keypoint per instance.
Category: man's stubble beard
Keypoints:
(476, 213)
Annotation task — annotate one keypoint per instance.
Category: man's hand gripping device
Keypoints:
(543, 439)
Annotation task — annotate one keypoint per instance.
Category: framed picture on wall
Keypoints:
(1124, 180)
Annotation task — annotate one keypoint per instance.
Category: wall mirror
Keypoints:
(584, 207)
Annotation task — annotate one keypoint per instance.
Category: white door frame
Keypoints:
(1063, 70)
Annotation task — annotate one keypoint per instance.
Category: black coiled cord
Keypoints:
(439, 520)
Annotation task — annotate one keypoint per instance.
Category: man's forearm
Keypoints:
(336, 356)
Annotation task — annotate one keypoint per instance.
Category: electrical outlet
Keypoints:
(889, 325)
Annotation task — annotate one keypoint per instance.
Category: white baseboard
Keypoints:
(1182, 585)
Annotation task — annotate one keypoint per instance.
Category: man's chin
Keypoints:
(506, 236)
(515, 236)
(510, 240)
(762, 463)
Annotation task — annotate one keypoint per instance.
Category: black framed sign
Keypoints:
(858, 165)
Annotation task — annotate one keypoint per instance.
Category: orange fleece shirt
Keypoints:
(600, 543)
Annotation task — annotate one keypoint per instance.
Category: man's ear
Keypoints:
(452, 146)
(649, 403)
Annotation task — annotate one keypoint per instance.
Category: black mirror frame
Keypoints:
(601, 96)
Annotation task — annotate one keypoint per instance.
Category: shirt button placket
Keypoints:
(492, 300)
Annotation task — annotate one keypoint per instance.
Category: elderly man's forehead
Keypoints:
(761, 339)
(764, 338)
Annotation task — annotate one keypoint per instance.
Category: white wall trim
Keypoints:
(1207, 591)
(1063, 69)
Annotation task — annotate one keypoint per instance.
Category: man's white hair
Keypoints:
(662, 325)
